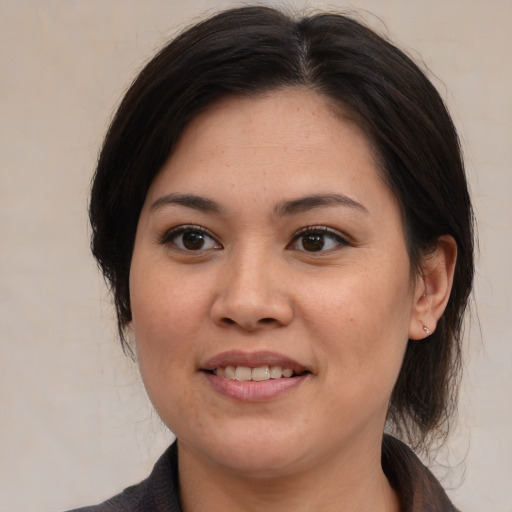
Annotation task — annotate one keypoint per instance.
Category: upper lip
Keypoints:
(253, 360)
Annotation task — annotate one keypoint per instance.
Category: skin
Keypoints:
(345, 312)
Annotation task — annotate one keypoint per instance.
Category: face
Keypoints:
(267, 246)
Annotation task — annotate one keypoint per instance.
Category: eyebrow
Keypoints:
(285, 208)
(190, 201)
(304, 204)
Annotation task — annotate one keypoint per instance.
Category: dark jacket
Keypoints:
(418, 489)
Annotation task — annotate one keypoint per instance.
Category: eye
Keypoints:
(317, 239)
(190, 238)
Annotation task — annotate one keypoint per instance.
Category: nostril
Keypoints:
(250, 326)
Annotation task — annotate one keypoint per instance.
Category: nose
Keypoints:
(252, 294)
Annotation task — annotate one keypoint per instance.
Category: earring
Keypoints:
(426, 329)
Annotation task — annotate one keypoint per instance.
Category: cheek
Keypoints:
(168, 311)
(361, 319)
(165, 296)
(165, 323)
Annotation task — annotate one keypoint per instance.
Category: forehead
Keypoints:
(286, 143)
(294, 118)
(265, 132)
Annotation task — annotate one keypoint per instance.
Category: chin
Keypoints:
(256, 452)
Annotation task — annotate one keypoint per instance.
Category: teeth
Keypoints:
(229, 372)
(276, 372)
(261, 373)
(243, 373)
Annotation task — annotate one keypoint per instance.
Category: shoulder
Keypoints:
(127, 501)
(158, 492)
(417, 487)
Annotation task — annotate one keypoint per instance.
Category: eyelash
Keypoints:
(322, 231)
(168, 236)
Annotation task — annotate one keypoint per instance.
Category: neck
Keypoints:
(356, 484)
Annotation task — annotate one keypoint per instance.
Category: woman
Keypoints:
(281, 209)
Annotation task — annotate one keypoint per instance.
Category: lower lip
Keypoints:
(252, 391)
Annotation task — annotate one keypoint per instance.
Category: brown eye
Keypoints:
(317, 239)
(313, 242)
(190, 238)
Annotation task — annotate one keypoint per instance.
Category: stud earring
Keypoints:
(426, 329)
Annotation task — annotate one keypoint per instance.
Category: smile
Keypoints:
(254, 376)
(259, 374)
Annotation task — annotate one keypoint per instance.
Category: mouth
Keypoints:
(258, 366)
(254, 376)
(257, 374)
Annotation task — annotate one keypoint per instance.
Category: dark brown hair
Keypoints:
(250, 50)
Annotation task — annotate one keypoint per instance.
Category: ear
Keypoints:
(432, 288)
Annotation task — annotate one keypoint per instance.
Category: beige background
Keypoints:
(75, 426)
